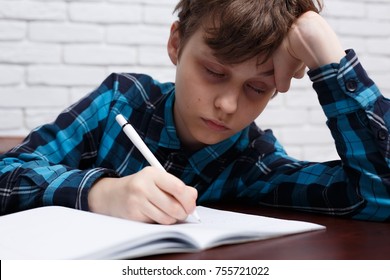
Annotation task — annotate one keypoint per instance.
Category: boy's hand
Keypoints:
(311, 42)
(150, 195)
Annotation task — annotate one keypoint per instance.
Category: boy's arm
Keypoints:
(358, 118)
(54, 165)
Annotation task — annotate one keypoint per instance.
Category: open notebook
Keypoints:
(62, 233)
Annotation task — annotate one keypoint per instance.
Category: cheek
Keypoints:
(187, 99)
(260, 107)
(195, 97)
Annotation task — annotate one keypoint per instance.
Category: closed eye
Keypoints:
(255, 89)
(214, 73)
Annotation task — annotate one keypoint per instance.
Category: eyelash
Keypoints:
(221, 76)
(215, 74)
(256, 90)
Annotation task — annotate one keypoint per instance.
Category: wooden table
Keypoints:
(343, 239)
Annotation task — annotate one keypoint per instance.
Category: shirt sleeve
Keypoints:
(359, 120)
(55, 163)
(358, 184)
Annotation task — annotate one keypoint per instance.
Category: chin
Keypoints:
(207, 141)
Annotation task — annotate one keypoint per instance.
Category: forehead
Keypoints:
(197, 45)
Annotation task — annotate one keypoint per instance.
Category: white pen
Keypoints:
(129, 130)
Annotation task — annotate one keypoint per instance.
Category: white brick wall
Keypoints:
(52, 52)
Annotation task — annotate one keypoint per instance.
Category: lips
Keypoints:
(215, 125)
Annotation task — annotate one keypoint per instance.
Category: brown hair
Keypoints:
(238, 30)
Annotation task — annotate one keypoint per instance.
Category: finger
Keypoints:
(300, 73)
(183, 194)
(293, 70)
(286, 66)
(284, 69)
(167, 193)
(167, 205)
(152, 213)
(151, 204)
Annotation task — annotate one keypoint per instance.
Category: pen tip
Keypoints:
(196, 216)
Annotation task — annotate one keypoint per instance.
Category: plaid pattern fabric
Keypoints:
(59, 162)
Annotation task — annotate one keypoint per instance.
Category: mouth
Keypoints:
(215, 125)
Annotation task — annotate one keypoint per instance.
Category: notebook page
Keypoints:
(63, 233)
(219, 227)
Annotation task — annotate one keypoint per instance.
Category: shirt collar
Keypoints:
(162, 120)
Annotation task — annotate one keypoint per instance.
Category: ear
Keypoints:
(174, 43)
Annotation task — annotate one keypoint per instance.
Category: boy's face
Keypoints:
(213, 100)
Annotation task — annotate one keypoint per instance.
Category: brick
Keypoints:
(303, 83)
(16, 97)
(33, 10)
(76, 93)
(159, 15)
(38, 117)
(317, 117)
(281, 117)
(379, 11)
(152, 2)
(11, 119)
(356, 42)
(27, 52)
(104, 13)
(12, 30)
(293, 151)
(344, 9)
(154, 56)
(365, 28)
(138, 35)
(162, 74)
(378, 46)
(65, 32)
(11, 75)
(383, 82)
(305, 134)
(65, 75)
(320, 153)
(277, 102)
(92, 0)
(302, 99)
(376, 63)
(99, 55)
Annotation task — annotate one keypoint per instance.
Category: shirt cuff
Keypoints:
(344, 87)
(71, 188)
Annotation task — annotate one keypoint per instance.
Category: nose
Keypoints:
(227, 101)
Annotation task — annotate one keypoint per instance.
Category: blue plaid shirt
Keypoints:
(59, 162)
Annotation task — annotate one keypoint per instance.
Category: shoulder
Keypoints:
(128, 82)
(138, 88)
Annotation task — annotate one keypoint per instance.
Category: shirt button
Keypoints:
(351, 85)
(382, 134)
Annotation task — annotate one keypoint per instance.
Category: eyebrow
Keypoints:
(266, 73)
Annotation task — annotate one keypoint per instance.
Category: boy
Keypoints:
(231, 57)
